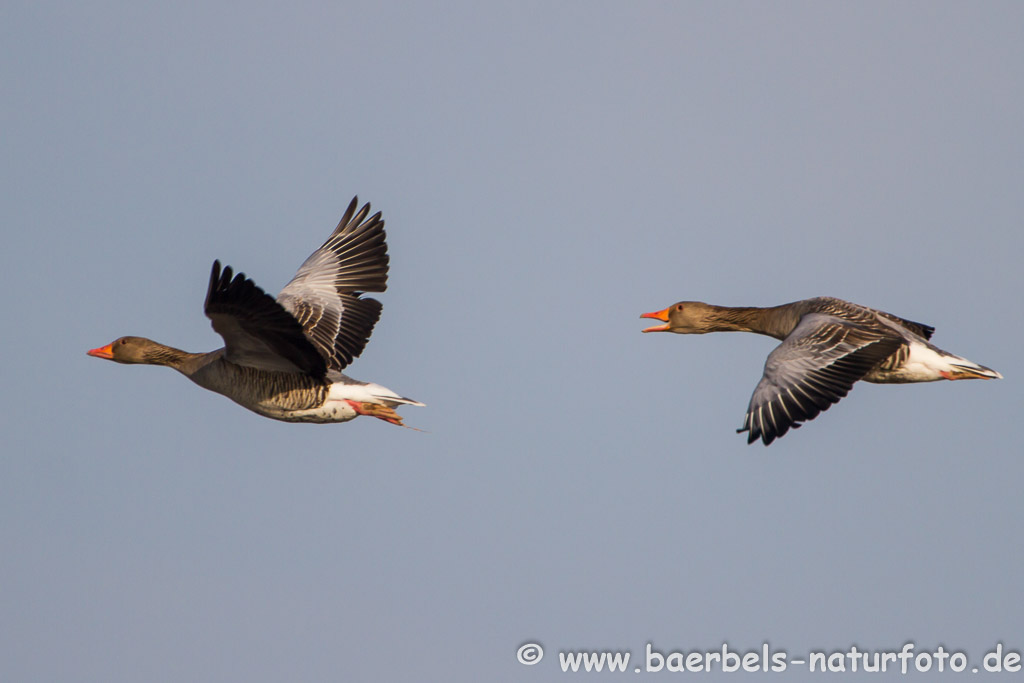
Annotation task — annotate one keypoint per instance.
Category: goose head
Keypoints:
(684, 317)
(129, 350)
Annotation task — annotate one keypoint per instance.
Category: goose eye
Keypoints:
(679, 307)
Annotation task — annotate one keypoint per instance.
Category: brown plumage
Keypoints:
(827, 345)
(283, 357)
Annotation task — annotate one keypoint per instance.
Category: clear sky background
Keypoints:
(548, 172)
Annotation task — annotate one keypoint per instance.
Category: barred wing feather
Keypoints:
(324, 296)
(814, 367)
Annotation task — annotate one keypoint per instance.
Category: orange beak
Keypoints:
(103, 352)
(657, 315)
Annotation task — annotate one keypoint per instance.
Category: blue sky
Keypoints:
(547, 172)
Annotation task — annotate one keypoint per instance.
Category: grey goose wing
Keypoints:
(324, 297)
(814, 367)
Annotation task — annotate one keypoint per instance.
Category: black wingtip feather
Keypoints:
(261, 316)
(214, 280)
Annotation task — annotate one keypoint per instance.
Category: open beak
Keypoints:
(657, 315)
(103, 352)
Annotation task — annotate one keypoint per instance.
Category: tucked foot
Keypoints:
(964, 372)
(379, 411)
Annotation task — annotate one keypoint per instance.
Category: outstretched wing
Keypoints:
(324, 296)
(257, 331)
(814, 367)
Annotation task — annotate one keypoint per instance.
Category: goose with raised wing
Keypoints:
(827, 345)
(283, 358)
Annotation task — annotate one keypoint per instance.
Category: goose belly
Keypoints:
(278, 395)
(336, 402)
(305, 404)
(331, 411)
(915, 362)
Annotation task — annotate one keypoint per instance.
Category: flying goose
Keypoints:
(827, 345)
(283, 358)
